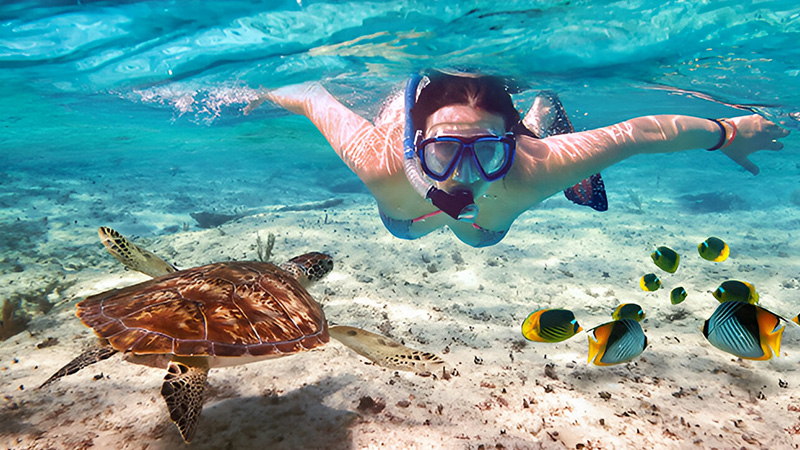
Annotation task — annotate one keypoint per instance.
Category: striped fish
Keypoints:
(616, 342)
(745, 330)
(550, 325)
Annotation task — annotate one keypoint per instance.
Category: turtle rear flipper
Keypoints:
(86, 358)
(133, 256)
(384, 351)
(183, 391)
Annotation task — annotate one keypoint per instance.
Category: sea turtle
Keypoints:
(218, 315)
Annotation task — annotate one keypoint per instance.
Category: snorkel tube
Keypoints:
(460, 205)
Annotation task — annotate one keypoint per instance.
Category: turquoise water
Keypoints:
(130, 113)
(108, 105)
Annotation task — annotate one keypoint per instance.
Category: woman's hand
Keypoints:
(293, 97)
(753, 133)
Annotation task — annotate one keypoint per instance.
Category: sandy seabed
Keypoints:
(464, 304)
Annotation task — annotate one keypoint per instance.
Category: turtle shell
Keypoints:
(229, 309)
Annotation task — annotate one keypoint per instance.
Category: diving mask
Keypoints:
(492, 155)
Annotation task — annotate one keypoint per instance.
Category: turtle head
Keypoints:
(309, 268)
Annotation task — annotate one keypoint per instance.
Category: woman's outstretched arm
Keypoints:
(559, 161)
(367, 150)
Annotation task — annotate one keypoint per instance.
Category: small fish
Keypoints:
(650, 282)
(616, 342)
(666, 259)
(628, 311)
(737, 291)
(745, 330)
(550, 325)
(714, 249)
(677, 295)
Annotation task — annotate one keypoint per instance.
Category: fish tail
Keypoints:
(771, 332)
(726, 251)
(594, 348)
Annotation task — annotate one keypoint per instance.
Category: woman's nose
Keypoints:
(466, 172)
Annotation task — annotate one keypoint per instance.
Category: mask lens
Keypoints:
(439, 155)
(491, 155)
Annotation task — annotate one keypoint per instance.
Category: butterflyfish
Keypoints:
(745, 330)
(735, 290)
(666, 259)
(677, 295)
(550, 325)
(714, 249)
(628, 311)
(650, 282)
(616, 342)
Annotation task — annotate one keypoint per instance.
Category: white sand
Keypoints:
(466, 305)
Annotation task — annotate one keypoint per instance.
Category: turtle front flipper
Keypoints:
(133, 256)
(384, 351)
(87, 358)
(183, 390)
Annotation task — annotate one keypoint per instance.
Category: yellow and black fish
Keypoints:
(677, 295)
(628, 311)
(666, 259)
(714, 249)
(745, 330)
(650, 282)
(737, 291)
(616, 342)
(550, 325)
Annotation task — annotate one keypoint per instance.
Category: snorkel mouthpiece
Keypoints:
(461, 204)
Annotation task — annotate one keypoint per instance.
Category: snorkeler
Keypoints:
(455, 152)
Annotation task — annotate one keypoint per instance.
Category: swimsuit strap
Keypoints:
(431, 214)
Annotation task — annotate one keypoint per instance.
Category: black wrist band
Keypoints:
(722, 138)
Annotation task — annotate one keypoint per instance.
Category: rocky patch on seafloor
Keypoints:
(348, 187)
(712, 202)
(206, 219)
(19, 307)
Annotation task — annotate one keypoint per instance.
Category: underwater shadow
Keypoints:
(13, 422)
(710, 202)
(296, 419)
(748, 379)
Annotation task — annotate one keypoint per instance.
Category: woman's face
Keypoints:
(464, 121)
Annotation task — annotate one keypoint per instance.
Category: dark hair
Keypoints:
(485, 92)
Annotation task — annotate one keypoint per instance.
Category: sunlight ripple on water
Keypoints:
(197, 61)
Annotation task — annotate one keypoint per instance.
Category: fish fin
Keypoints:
(598, 339)
(726, 251)
(594, 348)
(771, 330)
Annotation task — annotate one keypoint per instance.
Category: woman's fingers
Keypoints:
(255, 103)
(748, 165)
(774, 146)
